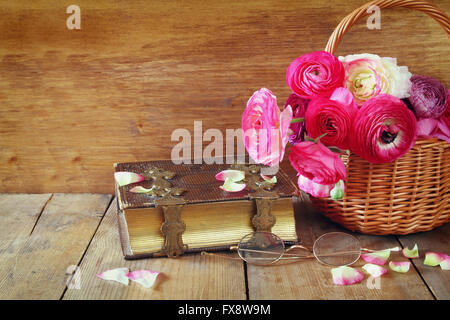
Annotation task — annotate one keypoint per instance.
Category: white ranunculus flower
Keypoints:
(367, 75)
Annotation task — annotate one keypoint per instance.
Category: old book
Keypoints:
(186, 211)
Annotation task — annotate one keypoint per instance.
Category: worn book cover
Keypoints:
(185, 210)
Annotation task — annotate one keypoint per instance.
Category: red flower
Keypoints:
(317, 163)
(298, 106)
(332, 116)
(384, 129)
(315, 74)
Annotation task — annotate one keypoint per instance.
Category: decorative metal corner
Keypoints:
(160, 185)
(173, 227)
(261, 191)
(264, 220)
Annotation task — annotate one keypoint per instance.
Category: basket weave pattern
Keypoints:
(408, 195)
(405, 196)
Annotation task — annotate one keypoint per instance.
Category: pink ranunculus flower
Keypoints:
(332, 116)
(315, 74)
(368, 75)
(298, 129)
(383, 130)
(265, 128)
(319, 169)
(435, 128)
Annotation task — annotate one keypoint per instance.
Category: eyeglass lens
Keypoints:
(337, 249)
(334, 248)
(261, 248)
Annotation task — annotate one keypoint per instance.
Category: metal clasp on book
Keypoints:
(263, 220)
(172, 227)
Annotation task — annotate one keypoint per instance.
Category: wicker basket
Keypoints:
(409, 195)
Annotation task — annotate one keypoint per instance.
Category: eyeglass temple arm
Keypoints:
(389, 249)
(295, 246)
(204, 253)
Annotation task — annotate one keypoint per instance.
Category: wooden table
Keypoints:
(46, 237)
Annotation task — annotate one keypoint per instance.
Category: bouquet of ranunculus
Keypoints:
(359, 103)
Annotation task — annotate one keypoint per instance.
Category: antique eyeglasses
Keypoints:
(332, 249)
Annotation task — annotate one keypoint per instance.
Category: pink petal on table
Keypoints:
(445, 264)
(377, 257)
(145, 278)
(123, 178)
(401, 266)
(140, 189)
(434, 258)
(374, 270)
(413, 253)
(272, 180)
(118, 274)
(231, 186)
(344, 275)
(233, 175)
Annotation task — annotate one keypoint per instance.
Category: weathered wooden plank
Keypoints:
(437, 240)
(188, 277)
(19, 213)
(138, 70)
(36, 269)
(308, 279)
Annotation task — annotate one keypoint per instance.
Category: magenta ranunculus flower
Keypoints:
(435, 128)
(428, 97)
(332, 116)
(319, 169)
(298, 106)
(265, 128)
(383, 130)
(315, 74)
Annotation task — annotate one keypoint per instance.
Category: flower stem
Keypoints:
(321, 136)
(297, 120)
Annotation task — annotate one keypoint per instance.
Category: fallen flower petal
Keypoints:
(402, 266)
(413, 253)
(233, 175)
(231, 186)
(433, 258)
(445, 265)
(374, 270)
(140, 189)
(145, 278)
(118, 274)
(272, 180)
(345, 275)
(377, 257)
(123, 178)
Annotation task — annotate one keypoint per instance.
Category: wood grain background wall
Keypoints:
(73, 102)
